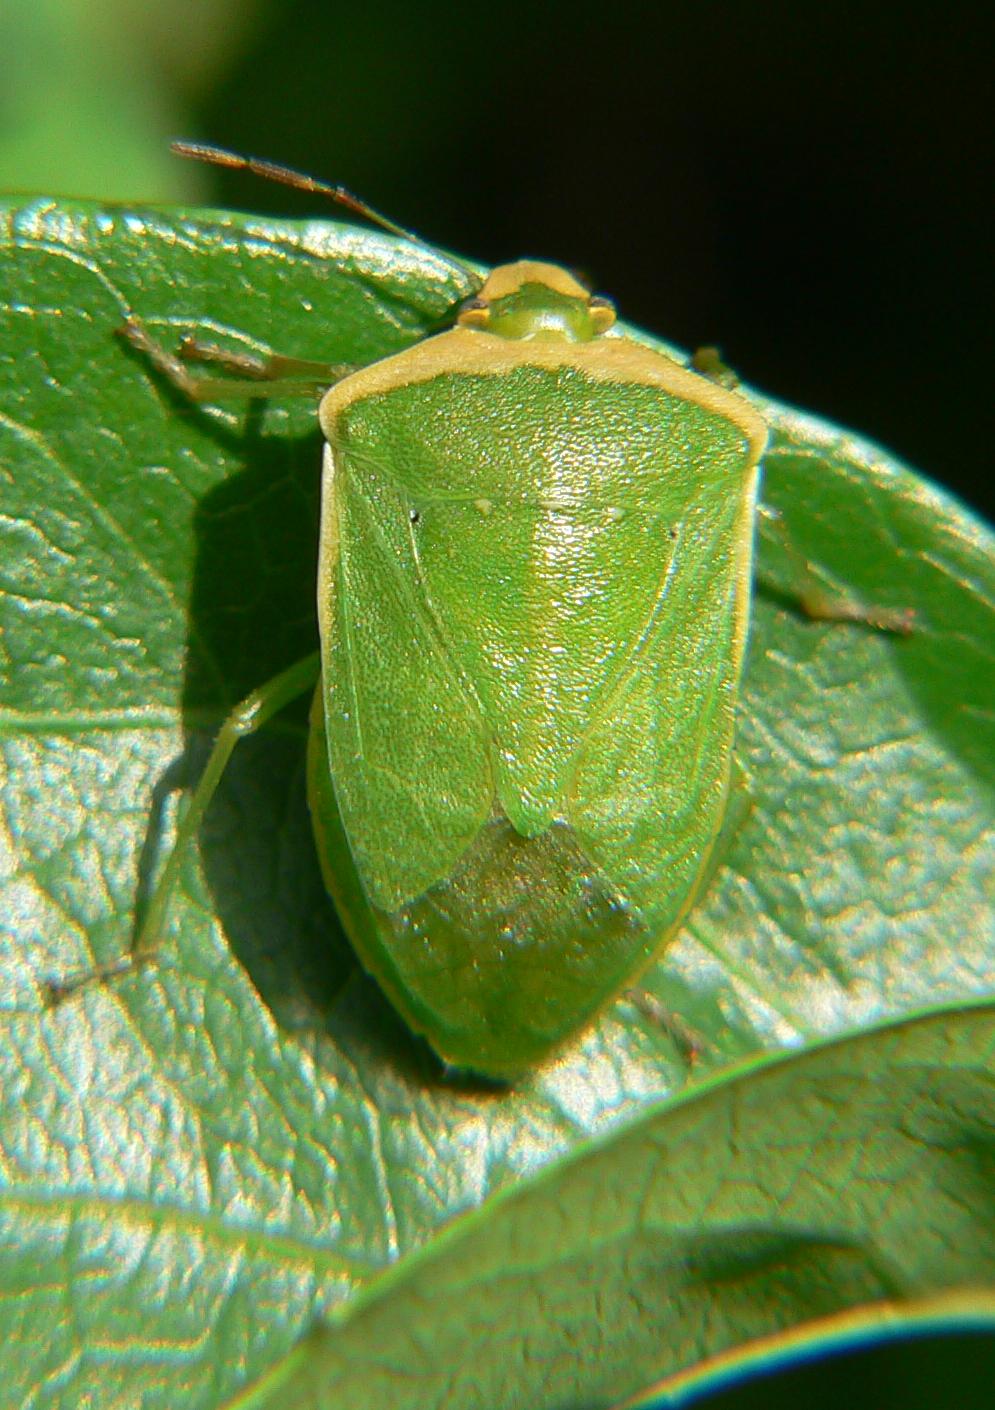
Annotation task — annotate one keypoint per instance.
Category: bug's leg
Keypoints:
(825, 604)
(247, 717)
(708, 361)
(688, 1041)
(260, 377)
(273, 368)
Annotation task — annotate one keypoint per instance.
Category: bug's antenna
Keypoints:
(300, 181)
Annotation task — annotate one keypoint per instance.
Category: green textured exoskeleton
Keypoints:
(533, 596)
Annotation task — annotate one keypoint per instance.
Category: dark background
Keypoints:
(805, 185)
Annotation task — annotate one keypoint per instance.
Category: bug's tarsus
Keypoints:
(164, 362)
(826, 607)
(57, 991)
(688, 1041)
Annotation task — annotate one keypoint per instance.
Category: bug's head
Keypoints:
(533, 300)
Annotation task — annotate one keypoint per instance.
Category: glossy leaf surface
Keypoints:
(198, 1159)
(857, 1174)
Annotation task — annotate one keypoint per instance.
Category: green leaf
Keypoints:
(197, 1160)
(861, 1172)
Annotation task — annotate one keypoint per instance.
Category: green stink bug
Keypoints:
(526, 780)
(516, 787)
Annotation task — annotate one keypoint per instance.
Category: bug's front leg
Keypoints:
(274, 367)
(253, 375)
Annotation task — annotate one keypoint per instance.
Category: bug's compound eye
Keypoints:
(474, 313)
(602, 312)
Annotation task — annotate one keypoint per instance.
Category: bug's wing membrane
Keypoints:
(652, 781)
(407, 749)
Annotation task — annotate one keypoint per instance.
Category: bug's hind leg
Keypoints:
(250, 715)
(688, 1042)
